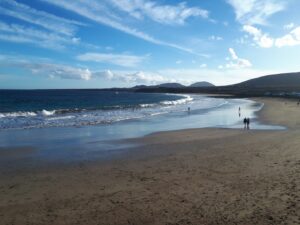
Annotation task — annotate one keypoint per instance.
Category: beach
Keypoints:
(195, 176)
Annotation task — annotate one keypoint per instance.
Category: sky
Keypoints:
(123, 43)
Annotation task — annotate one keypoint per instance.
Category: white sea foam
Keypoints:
(158, 113)
(17, 114)
(61, 118)
(147, 105)
(48, 113)
(179, 101)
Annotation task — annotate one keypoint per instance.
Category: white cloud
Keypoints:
(22, 34)
(234, 62)
(265, 41)
(289, 26)
(203, 65)
(233, 54)
(60, 71)
(140, 77)
(44, 67)
(255, 11)
(98, 12)
(215, 38)
(261, 39)
(124, 60)
(166, 14)
(291, 39)
(48, 21)
(178, 62)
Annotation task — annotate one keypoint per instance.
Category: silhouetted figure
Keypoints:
(189, 109)
(239, 111)
(248, 123)
(245, 122)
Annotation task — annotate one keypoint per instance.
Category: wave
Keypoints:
(184, 100)
(61, 118)
(27, 114)
(48, 113)
(18, 114)
(147, 105)
(179, 101)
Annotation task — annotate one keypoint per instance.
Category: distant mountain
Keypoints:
(285, 80)
(202, 84)
(140, 86)
(175, 85)
(170, 85)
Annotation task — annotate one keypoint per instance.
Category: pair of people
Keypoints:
(247, 123)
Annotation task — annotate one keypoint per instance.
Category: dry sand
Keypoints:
(199, 176)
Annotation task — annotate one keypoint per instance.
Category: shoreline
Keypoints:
(196, 176)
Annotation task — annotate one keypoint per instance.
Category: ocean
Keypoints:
(59, 108)
(32, 109)
(68, 125)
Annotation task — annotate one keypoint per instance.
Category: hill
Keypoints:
(287, 84)
(170, 85)
(202, 84)
(285, 80)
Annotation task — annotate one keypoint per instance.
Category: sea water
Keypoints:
(61, 108)
(65, 123)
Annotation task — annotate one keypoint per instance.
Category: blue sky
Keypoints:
(122, 43)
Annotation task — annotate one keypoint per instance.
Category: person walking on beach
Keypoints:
(248, 123)
(245, 122)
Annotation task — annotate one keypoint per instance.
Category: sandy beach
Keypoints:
(199, 176)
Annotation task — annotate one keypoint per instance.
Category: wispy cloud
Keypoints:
(139, 77)
(124, 60)
(166, 14)
(235, 62)
(289, 26)
(60, 71)
(46, 68)
(290, 39)
(40, 18)
(253, 12)
(43, 67)
(99, 13)
(21, 34)
(215, 38)
(263, 40)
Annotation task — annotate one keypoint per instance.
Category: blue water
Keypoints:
(73, 125)
(74, 100)
(58, 108)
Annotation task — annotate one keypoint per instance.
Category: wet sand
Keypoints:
(197, 176)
